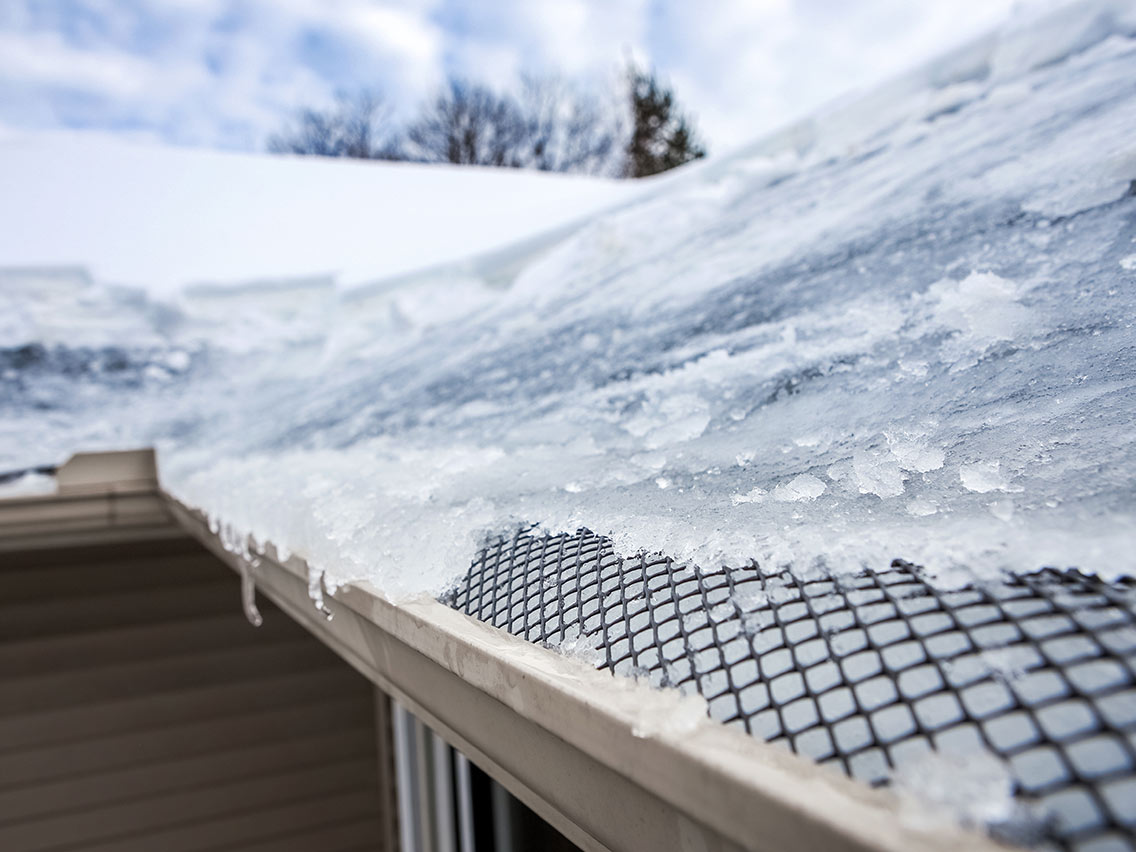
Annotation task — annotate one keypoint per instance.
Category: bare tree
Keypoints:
(551, 125)
(468, 124)
(567, 130)
(356, 126)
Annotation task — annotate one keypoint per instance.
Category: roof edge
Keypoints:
(613, 763)
(115, 472)
(718, 786)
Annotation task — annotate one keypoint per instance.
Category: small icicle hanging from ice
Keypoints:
(248, 592)
(237, 544)
(231, 539)
(316, 585)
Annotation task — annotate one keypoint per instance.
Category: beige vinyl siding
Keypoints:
(139, 710)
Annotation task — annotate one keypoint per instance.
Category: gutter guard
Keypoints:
(601, 758)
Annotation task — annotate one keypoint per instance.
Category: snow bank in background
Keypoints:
(903, 329)
(28, 485)
(158, 217)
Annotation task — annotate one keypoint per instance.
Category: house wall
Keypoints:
(139, 710)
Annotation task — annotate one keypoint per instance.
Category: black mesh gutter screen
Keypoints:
(862, 672)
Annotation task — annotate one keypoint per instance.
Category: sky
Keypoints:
(227, 73)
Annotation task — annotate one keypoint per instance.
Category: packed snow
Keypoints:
(902, 329)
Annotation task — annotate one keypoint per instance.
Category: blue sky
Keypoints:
(226, 73)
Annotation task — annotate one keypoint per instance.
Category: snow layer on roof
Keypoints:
(159, 217)
(903, 329)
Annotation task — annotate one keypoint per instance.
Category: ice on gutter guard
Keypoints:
(902, 329)
(1009, 704)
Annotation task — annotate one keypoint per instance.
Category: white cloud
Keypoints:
(395, 31)
(224, 73)
(43, 59)
(749, 66)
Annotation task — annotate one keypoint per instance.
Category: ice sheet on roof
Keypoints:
(902, 329)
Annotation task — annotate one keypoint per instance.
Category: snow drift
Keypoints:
(158, 218)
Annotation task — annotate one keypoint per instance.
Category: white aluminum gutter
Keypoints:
(611, 763)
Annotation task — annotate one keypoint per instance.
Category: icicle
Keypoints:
(237, 544)
(248, 592)
(316, 590)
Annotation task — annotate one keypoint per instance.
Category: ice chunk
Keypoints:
(1008, 663)
(679, 715)
(750, 598)
(582, 647)
(974, 789)
(912, 452)
(921, 507)
(983, 309)
(1003, 510)
(670, 420)
(803, 487)
(754, 495)
(877, 472)
(984, 477)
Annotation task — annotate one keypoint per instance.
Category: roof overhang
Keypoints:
(611, 763)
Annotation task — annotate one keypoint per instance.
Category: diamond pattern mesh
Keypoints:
(860, 672)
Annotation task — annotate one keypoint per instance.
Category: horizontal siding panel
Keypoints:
(126, 644)
(83, 792)
(92, 612)
(307, 813)
(177, 741)
(140, 710)
(107, 682)
(187, 807)
(341, 837)
(96, 554)
(22, 541)
(70, 580)
(76, 723)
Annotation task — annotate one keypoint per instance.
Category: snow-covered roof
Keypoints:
(901, 329)
(158, 217)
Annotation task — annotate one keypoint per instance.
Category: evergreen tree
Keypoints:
(661, 136)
